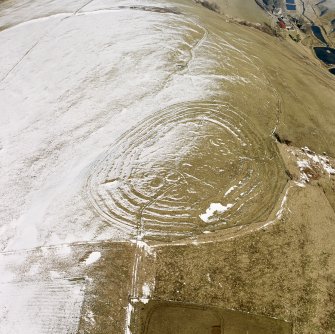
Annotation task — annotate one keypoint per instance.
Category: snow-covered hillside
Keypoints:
(71, 83)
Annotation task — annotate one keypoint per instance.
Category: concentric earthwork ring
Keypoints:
(162, 176)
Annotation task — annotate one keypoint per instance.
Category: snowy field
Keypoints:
(70, 85)
(40, 307)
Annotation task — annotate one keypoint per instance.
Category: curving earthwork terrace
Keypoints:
(193, 167)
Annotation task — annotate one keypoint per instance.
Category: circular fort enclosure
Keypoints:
(190, 168)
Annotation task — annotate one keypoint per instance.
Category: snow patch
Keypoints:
(304, 177)
(230, 190)
(64, 250)
(40, 307)
(321, 159)
(326, 165)
(89, 317)
(279, 213)
(129, 311)
(146, 293)
(312, 165)
(93, 257)
(214, 208)
(142, 244)
(209, 278)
